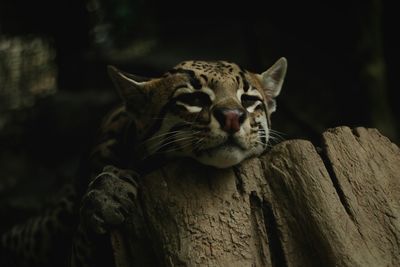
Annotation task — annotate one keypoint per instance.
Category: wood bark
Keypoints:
(299, 205)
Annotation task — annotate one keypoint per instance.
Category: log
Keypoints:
(298, 205)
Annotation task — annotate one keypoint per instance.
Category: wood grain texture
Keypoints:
(298, 205)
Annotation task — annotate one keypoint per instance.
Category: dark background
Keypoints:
(342, 70)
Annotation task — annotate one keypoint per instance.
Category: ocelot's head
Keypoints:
(214, 112)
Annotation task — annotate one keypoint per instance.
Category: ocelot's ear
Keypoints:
(131, 88)
(272, 80)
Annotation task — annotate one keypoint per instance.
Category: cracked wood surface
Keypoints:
(298, 205)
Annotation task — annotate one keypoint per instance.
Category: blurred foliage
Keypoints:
(122, 20)
(27, 71)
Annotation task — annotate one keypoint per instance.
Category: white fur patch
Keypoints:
(254, 92)
(132, 81)
(239, 94)
(209, 92)
(223, 157)
(184, 90)
(188, 90)
(191, 109)
(254, 106)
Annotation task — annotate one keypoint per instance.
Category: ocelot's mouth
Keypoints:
(229, 144)
(223, 155)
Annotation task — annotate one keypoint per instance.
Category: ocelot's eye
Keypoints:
(249, 100)
(197, 99)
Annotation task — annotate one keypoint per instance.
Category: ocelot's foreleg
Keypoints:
(110, 200)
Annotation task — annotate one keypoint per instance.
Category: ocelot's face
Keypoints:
(214, 112)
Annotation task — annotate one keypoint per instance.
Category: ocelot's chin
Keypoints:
(223, 156)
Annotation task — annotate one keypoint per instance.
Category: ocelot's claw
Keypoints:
(110, 198)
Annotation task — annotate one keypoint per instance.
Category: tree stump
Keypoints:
(298, 205)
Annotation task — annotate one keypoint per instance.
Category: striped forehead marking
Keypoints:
(189, 89)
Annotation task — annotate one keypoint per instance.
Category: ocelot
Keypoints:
(214, 112)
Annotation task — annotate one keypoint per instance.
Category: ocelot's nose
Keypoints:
(230, 119)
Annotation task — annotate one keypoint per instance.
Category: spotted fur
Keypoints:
(216, 113)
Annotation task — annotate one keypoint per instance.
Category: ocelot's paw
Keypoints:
(110, 198)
